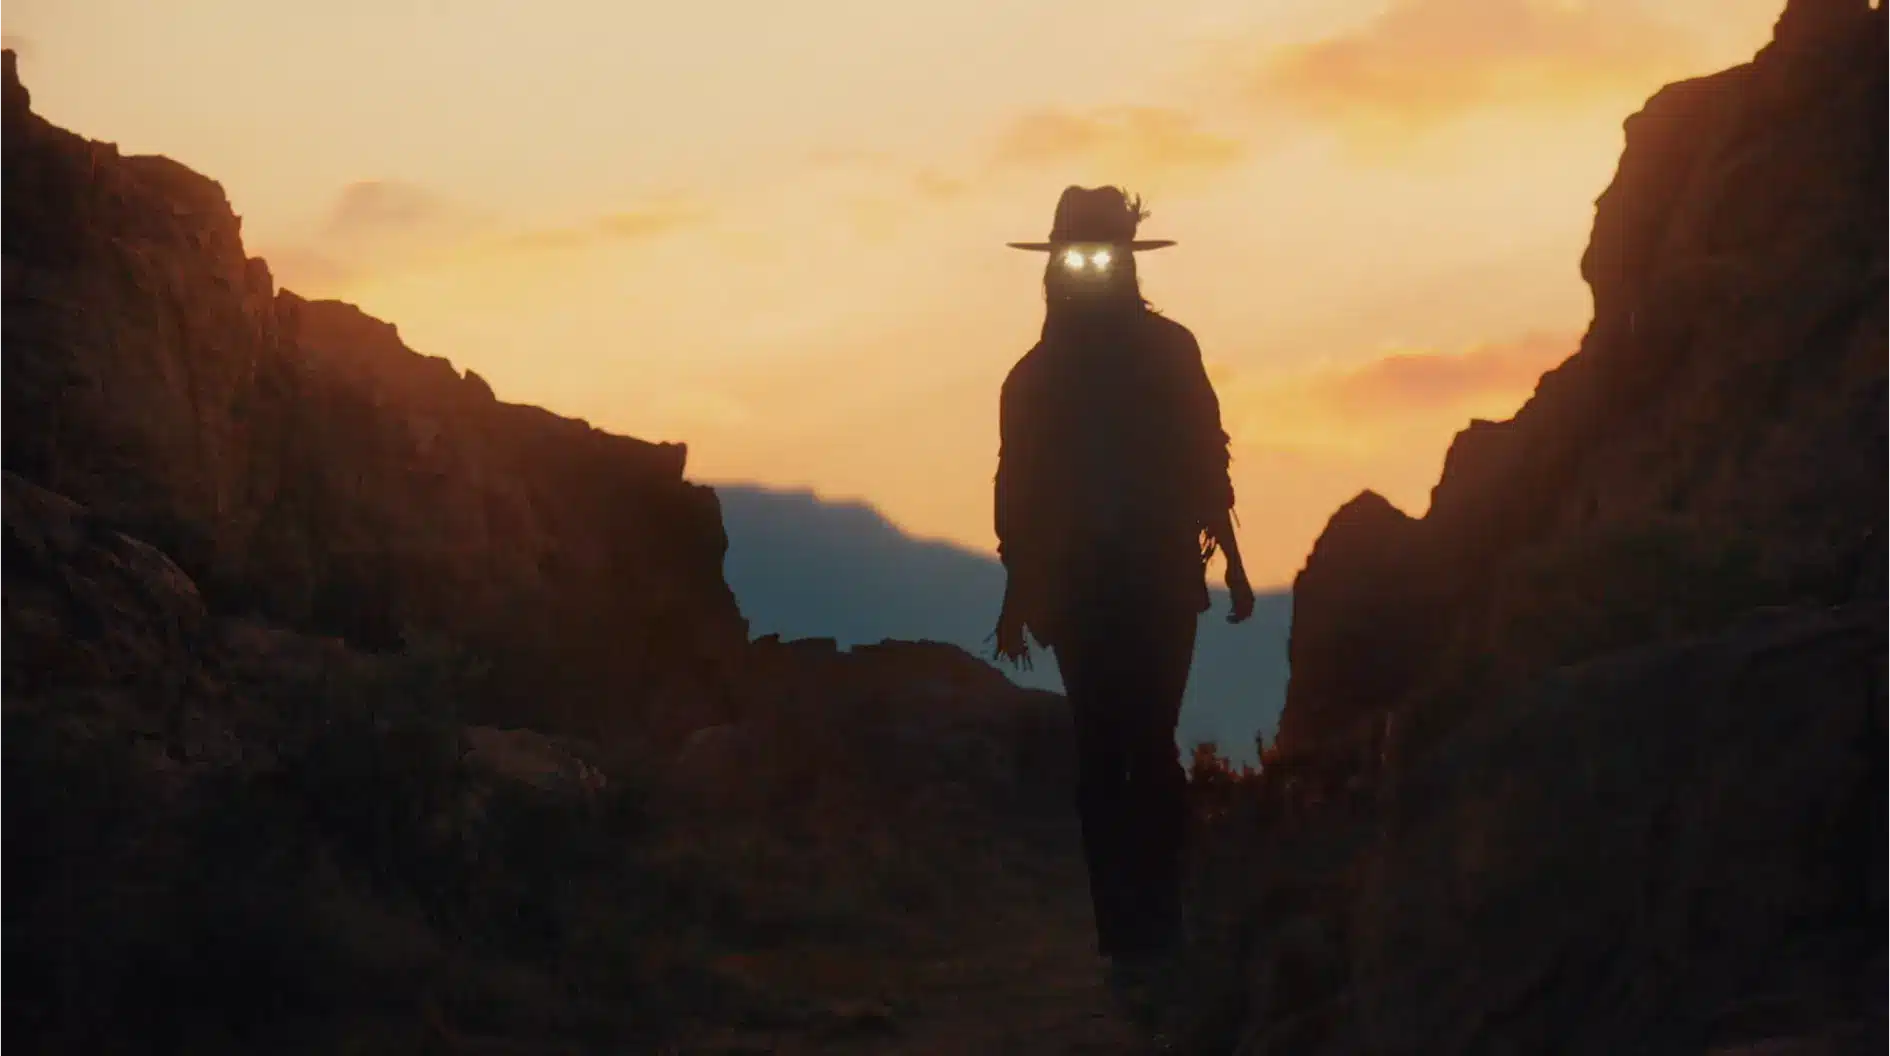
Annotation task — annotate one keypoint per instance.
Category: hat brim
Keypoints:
(1050, 247)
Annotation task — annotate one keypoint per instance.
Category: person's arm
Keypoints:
(1008, 520)
(1011, 487)
(1221, 530)
(1216, 488)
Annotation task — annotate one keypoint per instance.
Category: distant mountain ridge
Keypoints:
(806, 567)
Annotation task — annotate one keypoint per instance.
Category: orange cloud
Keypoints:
(880, 192)
(309, 270)
(1396, 399)
(380, 226)
(652, 221)
(887, 170)
(637, 225)
(1140, 145)
(1305, 442)
(875, 218)
(379, 206)
(937, 186)
(1426, 382)
(1142, 142)
(372, 226)
(845, 158)
(1423, 62)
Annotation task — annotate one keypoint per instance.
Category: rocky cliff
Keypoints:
(1590, 757)
(1716, 444)
(300, 464)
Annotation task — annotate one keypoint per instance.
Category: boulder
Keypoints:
(527, 757)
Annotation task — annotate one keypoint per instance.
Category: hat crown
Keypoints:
(1095, 214)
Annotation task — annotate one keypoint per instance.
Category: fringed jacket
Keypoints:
(1112, 466)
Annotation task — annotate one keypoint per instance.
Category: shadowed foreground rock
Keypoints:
(1670, 849)
(225, 836)
(917, 721)
(1665, 850)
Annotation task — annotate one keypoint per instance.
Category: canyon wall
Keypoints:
(1716, 444)
(302, 465)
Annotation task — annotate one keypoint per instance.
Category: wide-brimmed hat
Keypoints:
(1095, 215)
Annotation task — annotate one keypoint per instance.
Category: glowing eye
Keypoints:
(1100, 258)
(1073, 260)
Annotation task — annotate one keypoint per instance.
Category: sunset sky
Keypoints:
(775, 231)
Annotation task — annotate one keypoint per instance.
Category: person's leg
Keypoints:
(1157, 783)
(1101, 772)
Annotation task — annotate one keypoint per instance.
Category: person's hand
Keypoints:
(1242, 592)
(1011, 643)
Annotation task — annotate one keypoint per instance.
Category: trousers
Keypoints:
(1124, 660)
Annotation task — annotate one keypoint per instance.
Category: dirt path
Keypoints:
(1022, 978)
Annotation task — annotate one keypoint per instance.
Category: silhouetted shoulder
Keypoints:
(1025, 371)
(1172, 336)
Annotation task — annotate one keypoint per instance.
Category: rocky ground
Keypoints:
(226, 836)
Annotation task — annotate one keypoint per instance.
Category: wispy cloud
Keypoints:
(374, 225)
(876, 194)
(1304, 442)
(1390, 399)
(377, 207)
(830, 157)
(642, 224)
(652, 221)
(377, 226)
(875, 217)
(938, 187)
(1420, 63)
(1424, 382)
(1144, 147)
(1143, 143)
(310, 270)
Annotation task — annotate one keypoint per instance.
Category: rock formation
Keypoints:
(905, 719)
(90, 606)
(1717, 443)
(299, 463)
(1590, 758)
(1675, 848)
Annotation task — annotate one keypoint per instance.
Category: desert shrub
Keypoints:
(1215, 783)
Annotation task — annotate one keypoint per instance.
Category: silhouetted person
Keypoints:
(1112, 494)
